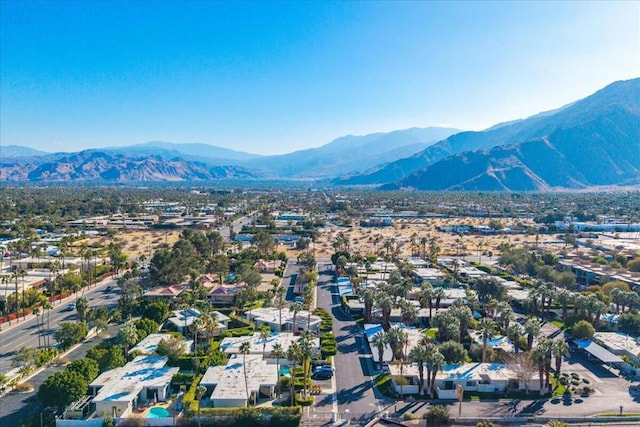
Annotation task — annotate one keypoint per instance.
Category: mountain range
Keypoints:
(592, 142)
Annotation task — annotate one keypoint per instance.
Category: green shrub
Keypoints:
(328, 351)
(189, 399)
(437, 415)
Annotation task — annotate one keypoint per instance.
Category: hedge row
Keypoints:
(189, 400)
(327, 320)
(328, 345)
(263, 416)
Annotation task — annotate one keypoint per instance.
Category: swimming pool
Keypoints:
(158, 412)
(285, 371)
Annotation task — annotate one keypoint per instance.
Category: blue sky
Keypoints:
(268, 77)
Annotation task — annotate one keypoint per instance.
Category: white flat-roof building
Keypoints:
(231, 345)
(371, 330)
(496, 342)
(226, 385)
(271, 317)
(480, 377)
(149, 345)
(118, 391)
(620, 344)
(431, 275)
(183, 319)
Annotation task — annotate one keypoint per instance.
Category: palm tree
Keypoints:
(128, 335)
(395, 341)
(277, 352)
(434, 363)
(539, 356)
(379, 341)
(426, 298)
(265, 333)
(306, 351)
(296, 308)
(209, 323)
(486, 327)
(36, 312)
(82, 305)
(245, 347)
(368, 297)
(46, 305)
(464, 315)
(197, 326)
(532, 329)
(419, 355)
(559, 348)
(385, 304)
(564, 298)
(279, 294)
(438, 294)
(514, 332)
(293, 355)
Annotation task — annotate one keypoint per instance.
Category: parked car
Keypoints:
(322, 375)
(323, 369)
(70, 307)
(298, 299)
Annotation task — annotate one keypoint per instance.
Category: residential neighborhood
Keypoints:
(336, 329)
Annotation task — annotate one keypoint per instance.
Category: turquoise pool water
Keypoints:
(285, 371)
(158, 412)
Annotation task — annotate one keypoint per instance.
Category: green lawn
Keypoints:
(432, 333)
(557, 323)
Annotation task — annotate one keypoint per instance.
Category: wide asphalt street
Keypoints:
(17, 407)
(356, 397)
(25, 332)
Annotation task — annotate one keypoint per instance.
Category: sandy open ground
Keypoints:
(361, 239)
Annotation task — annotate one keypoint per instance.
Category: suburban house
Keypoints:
(149, 345)
(496, 342)
(224, 294)
(169, 292)
(119, 391)
(371, 330)
(271, 317)
(431, 275)
(265, 267)
(478, 377)
(181, 320)
(228, 387)
(231, 345)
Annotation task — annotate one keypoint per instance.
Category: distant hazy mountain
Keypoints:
(348, 154)
(206, 153)
(592, 142)
(500, 134)
(10, 151)
(96, 166)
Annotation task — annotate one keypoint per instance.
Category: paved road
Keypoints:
(355, 393)
(17, 407)
(225, 231)
(24, 333)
